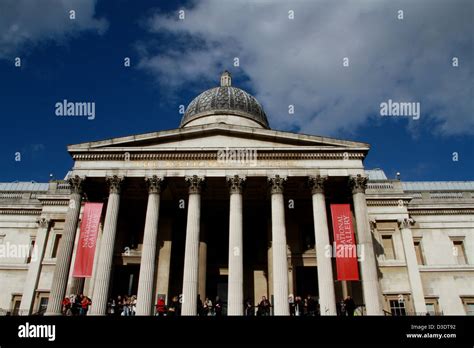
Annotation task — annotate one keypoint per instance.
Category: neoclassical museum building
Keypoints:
(225, 206)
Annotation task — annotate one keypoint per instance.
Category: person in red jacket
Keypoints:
(66, 305)
(160, 307)
(85, 305)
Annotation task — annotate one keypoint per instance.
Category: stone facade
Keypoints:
(223, 206)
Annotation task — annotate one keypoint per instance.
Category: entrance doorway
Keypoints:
(222, 287)
(307, 281)
(125, 281)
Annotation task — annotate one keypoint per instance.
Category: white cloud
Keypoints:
(300, 61)
(24, 23)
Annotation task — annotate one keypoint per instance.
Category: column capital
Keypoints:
(76, 183)
(154, 184)
(195, 183)
(406, 223)
(358, 183)
(115, 183)
(44, 222)
(373, 224)
(236, 183)
(317, 183)
(277, 183)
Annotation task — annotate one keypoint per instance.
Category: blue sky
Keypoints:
(282, 61)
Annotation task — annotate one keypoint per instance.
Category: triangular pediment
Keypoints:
(216, 136)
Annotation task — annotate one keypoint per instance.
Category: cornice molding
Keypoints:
(49, 202)
(387, 202)
(441, 211)
(212, 155)
(20, 212)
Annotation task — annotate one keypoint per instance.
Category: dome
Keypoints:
(225, 104)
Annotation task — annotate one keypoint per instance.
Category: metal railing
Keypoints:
(446, 195)
(380, 185)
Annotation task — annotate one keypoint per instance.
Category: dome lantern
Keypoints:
(226, 79)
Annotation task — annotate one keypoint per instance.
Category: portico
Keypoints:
(200, 221)
(243, 204)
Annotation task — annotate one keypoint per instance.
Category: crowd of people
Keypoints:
(209, 308)
(347, 307)
(76, 305)
(122, 305)
(297, 305)
(303, 306)
(204, 308)
(126, 306)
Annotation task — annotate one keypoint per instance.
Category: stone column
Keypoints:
(202, 271)
(279, 247)
(34, 269)
(327, 297)
(269, 261)
(412, 266)
(164, 259)
(104, 264)
(345, 289)
(191, 252)
(75, 285)
(148, 261)
(368, 265)
(91, 280)
(63, 260)
(235, 298)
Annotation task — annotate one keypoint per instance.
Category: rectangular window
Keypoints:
(432, 307)
(43, 305)
(15, 307)
(387, 243)
(458, 251)
(397, 307)
(469, 305)
(419, 254)
(57, 240)
(470, 308)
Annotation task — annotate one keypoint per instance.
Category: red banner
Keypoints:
(87, 240)
(345, 248)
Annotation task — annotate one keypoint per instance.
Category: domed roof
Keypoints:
(225, 100)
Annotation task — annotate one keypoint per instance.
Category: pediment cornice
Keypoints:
(268, 141)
